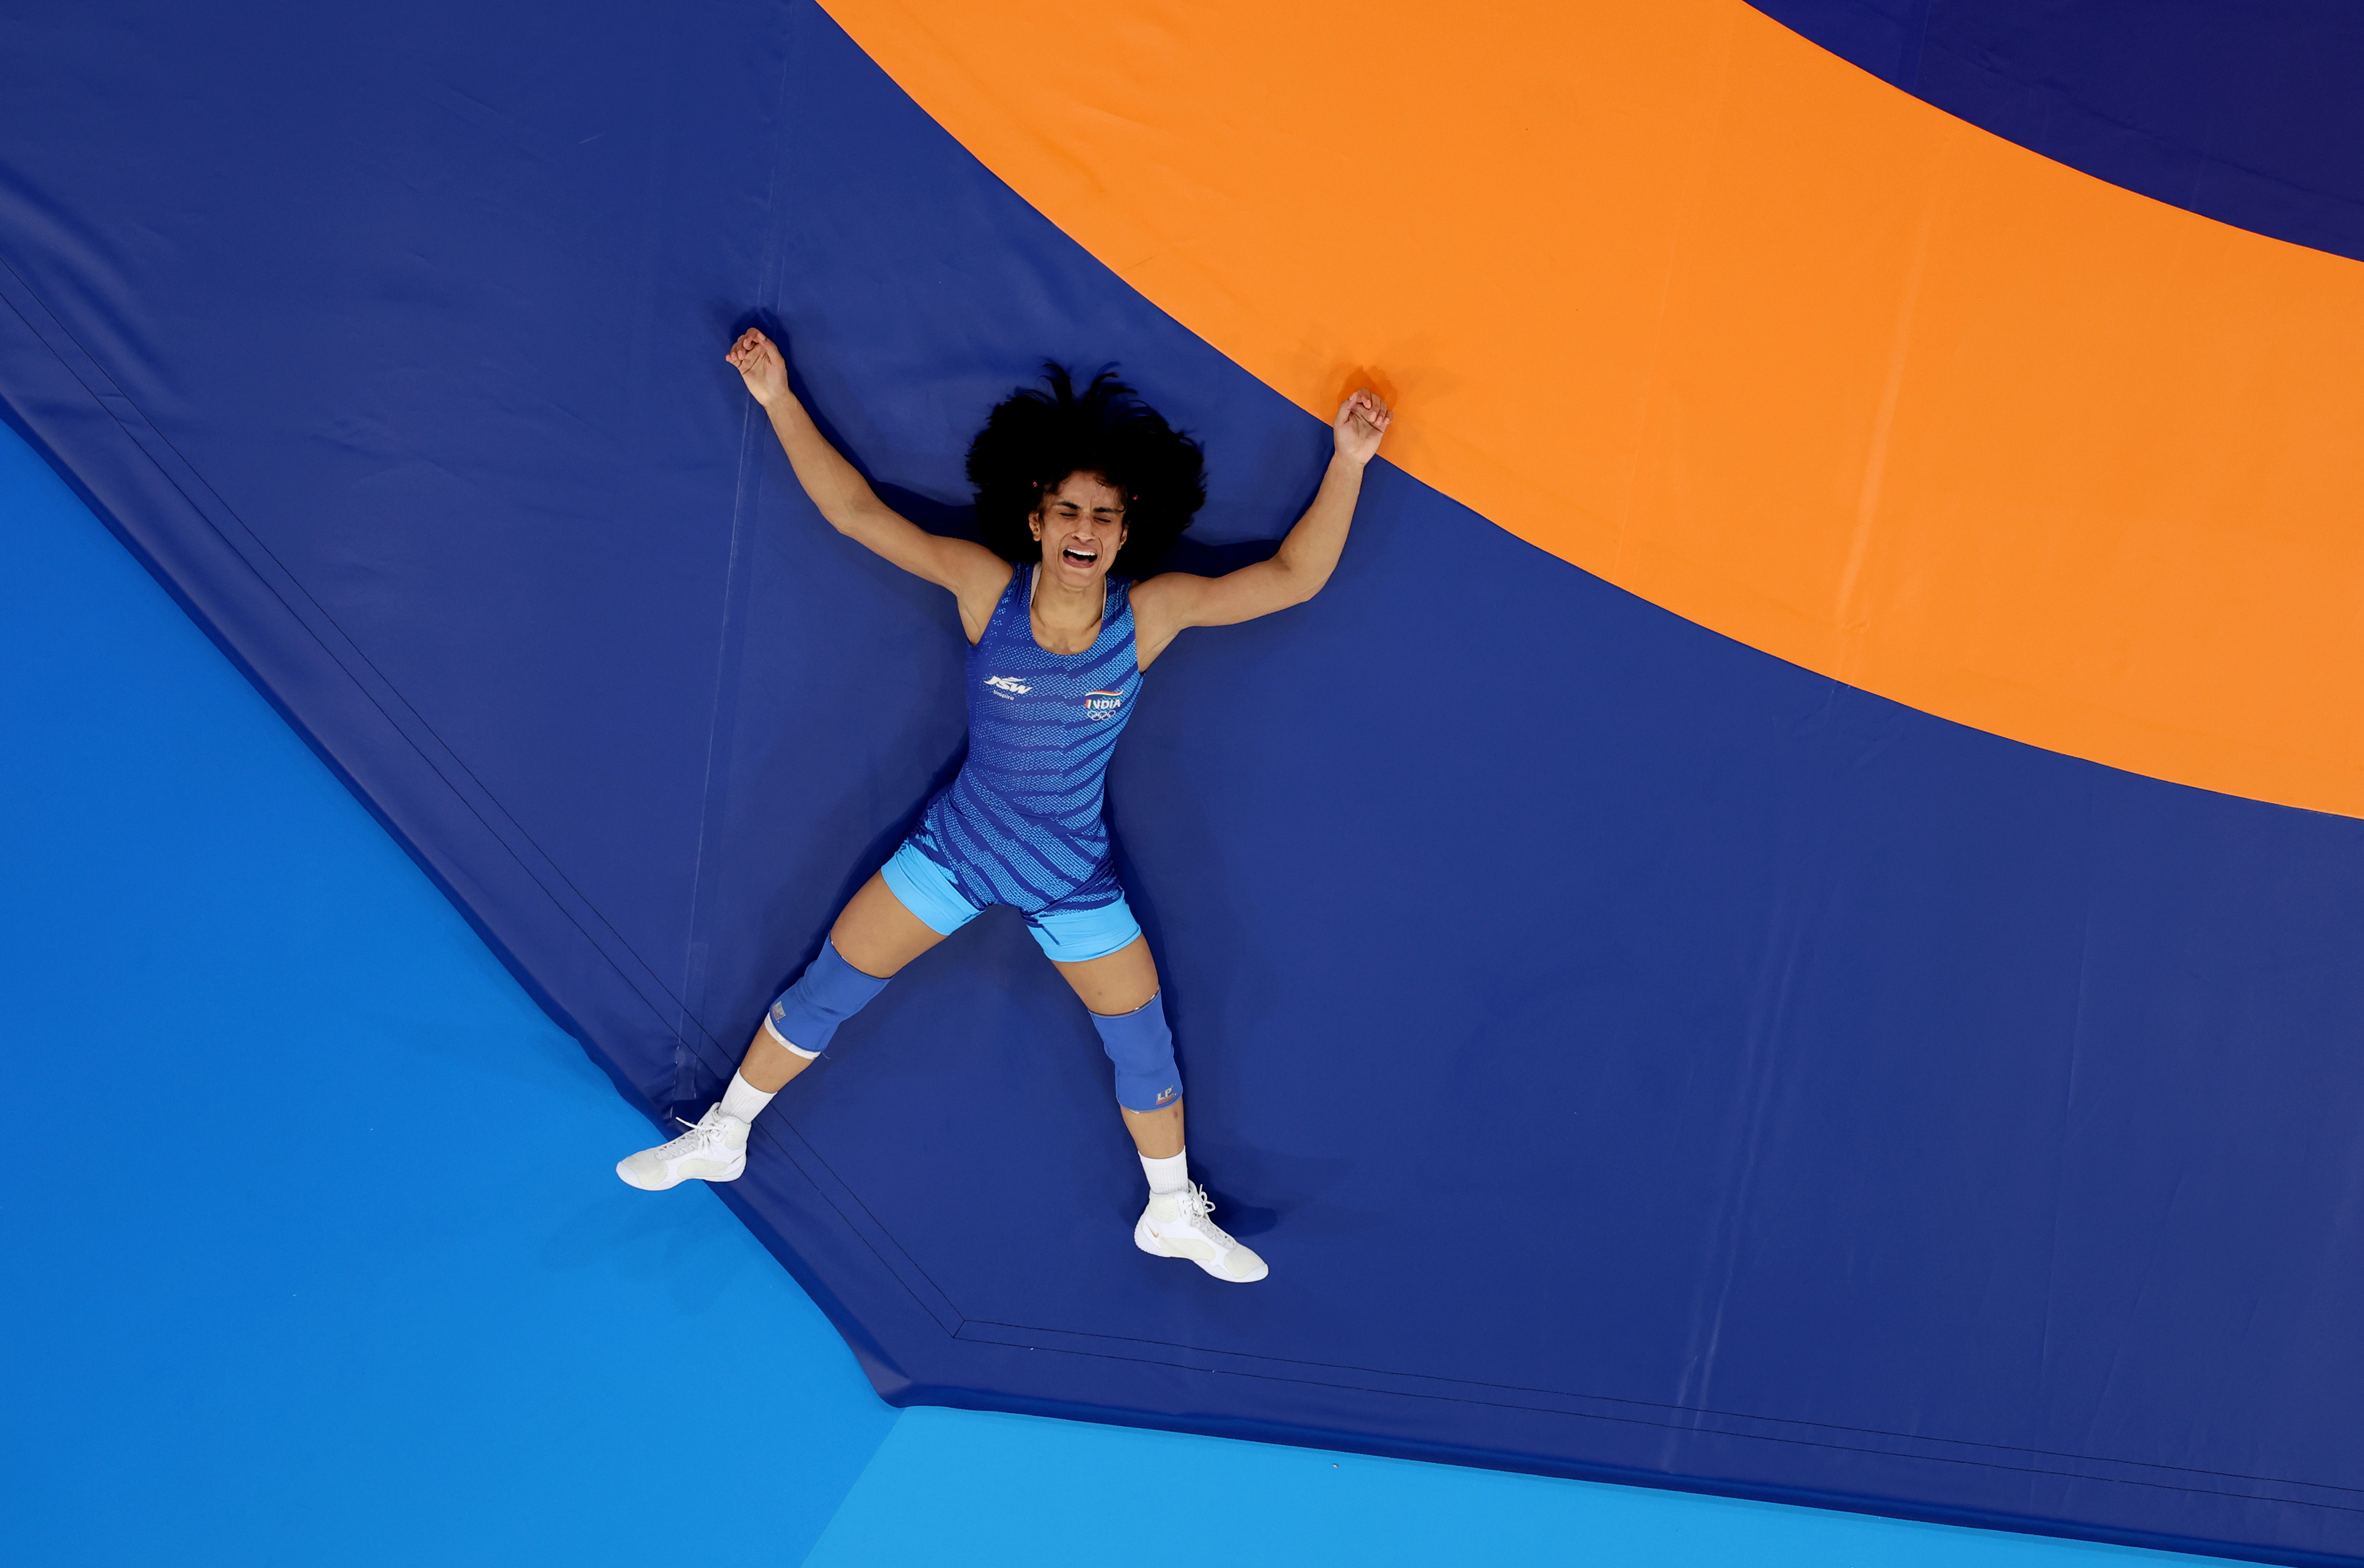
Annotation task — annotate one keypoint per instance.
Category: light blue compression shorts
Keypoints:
(1067, 935)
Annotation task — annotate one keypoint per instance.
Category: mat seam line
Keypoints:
(1694, 1431)
(1655, 1405)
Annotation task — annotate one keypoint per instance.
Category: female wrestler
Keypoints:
(1068, 487)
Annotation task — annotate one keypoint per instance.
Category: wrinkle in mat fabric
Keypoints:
(1639, 1057)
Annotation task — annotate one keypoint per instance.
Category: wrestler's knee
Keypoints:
(1141, 1048)
(829, 992)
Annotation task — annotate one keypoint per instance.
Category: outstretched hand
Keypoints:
(760, 364)
(1362, 421)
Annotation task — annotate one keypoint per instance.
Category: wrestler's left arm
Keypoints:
(1167, 603)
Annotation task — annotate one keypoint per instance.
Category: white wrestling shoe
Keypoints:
(1174, 1225)
(713, 1150)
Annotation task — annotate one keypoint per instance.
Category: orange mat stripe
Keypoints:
(1673, 294)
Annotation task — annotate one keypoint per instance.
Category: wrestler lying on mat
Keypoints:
(1070, 487)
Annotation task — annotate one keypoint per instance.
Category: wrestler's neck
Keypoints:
(1066, 615)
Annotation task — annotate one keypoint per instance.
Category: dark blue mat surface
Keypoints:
(393, 1361)
(1639, 1057)
(2243, 110)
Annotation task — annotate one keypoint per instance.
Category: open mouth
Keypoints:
(1081, 558)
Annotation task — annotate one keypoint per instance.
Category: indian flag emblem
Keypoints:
(1102, 704)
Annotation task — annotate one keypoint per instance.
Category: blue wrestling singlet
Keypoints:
(1023, 824)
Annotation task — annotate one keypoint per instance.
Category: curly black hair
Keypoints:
(1033, 439)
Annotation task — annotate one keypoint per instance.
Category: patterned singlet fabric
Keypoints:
(1023, 825)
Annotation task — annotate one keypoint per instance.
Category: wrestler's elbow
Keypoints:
(1299, 581)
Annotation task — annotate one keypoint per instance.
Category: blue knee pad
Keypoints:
(1142, 1049)
(829, 992)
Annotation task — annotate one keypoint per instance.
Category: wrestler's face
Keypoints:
(1081, 527)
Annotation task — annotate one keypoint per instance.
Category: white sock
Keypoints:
(743, 1100)
(1168, 1175)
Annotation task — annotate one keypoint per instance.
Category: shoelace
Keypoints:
(1196, 1207)
(698, 1137)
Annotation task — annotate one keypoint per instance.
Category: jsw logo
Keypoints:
(1004, 686)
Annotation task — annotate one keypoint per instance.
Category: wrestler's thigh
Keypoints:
(876, 934)
(1118, 982)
